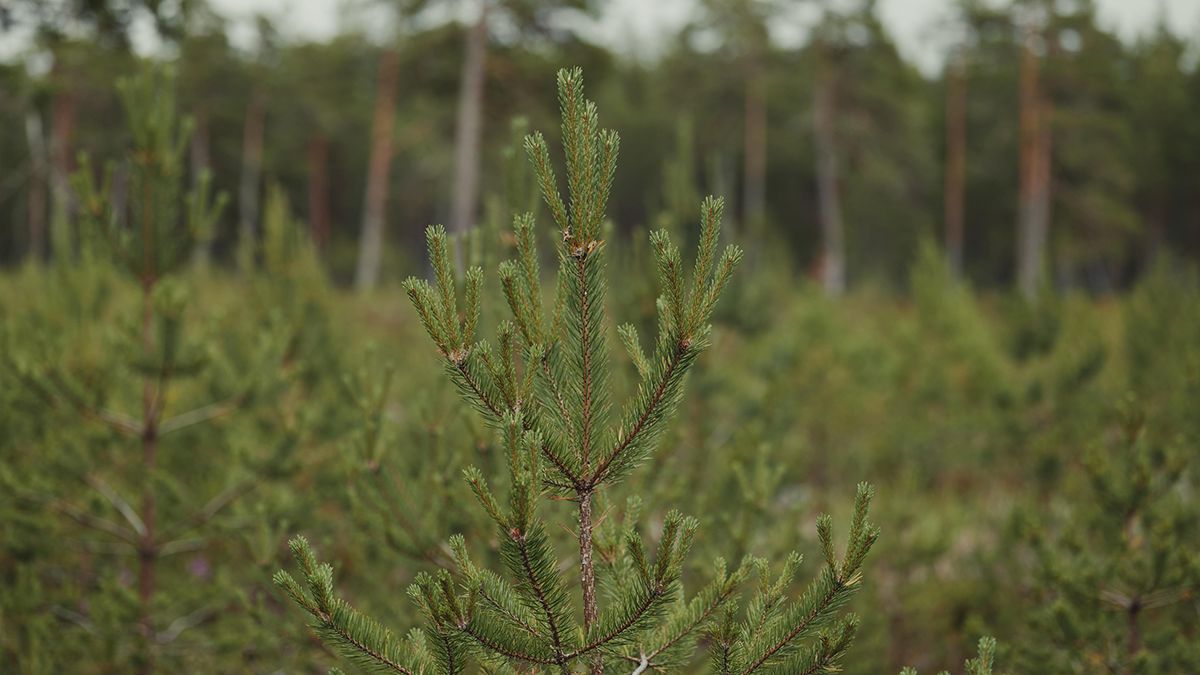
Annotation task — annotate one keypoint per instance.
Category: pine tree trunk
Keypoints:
(587, 572)
(201, 159)
(755, 140)
(62, 129)
(39, 168)
(251, 179)
(318, 191)
(148, 546)
(468, 133)
(1034, 207)
(956, 162)
(833, 266)
(370, 250)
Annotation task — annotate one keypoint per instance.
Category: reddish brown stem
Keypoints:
(587, 570)
(148, 546)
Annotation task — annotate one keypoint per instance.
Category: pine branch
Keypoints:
(694, 615)
(668, 384)
(200, 415)
(360, 639)
(820, 601)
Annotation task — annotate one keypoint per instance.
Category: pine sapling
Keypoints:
(542, 384)
(149, 237)
(980, 665)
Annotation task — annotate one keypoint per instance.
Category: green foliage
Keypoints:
(980, 665)
(141, 507)
(543, 389)
(1113, 585)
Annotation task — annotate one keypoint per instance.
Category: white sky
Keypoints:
(635, 25)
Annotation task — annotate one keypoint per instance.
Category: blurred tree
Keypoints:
(741, 27)
(370, 251)
(1034, 212)
(527, 18)
(956, 158)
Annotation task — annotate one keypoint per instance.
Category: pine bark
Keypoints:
(370, 250)
(251, 180)
(468, 133)
(956, 162)
(1035, 146)
(833, 265)
(319, 222)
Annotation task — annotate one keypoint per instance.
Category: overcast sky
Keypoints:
(636, 25)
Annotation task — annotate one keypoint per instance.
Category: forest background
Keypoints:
(971, 284)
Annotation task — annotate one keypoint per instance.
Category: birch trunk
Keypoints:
(833, 265)
(468, 134)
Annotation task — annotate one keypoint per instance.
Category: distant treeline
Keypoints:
(1047, 153)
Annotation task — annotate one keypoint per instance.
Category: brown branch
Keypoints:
(118, 421)
(510, 653)
(640, 424)
(201, 414)
(587, 569)
(833, 591)
(625, 625)
(695, 624)
(328, 622)
(508, 614)
(540, 593)
(99, 524)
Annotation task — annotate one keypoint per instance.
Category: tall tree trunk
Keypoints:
(62, 129)
(755, 141)
(250, 184)
(318, 190)
(1034, 207)
(833, 255)
(956, 160)
(39, 168)
(370, 249)
(468, 133)
(201, 158)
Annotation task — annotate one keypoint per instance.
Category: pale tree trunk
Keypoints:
(318, 191)
(468, 133)
(201, 160)
(39, 168)
(251, 179)
(956, 161)
(370, 249)
(755, 141)
(62, 128)
(833, 255)
(1034, 207)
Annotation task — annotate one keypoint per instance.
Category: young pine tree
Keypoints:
(542, 385)
(128, 456)
(1116, 580)
(980, 665)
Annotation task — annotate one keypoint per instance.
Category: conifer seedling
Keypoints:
(542, 383)
(144, 512)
